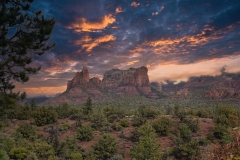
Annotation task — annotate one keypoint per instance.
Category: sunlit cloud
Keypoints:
(90, 44)
(119, 9)
(83, 25)
(135, 4)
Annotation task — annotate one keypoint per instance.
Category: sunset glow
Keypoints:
(174, 39)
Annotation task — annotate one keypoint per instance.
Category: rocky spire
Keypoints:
(81, 78)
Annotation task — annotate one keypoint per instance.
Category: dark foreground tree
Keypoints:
(23, 35)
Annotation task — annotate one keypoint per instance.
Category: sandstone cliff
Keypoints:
(132, 81)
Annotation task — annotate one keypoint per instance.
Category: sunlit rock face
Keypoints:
(132, 81)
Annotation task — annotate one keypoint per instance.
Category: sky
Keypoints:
(175, 39)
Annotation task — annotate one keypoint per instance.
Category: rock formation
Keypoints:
(132, 81)
(81, 78)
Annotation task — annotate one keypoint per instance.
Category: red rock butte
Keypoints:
(134, 81)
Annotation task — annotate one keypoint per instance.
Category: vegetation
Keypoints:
(23, 35)
(147, 147)
(108, 132)
(85, 133)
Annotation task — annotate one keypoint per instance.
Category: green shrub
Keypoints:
(42, 149)
(112, 118)
(27, 130)
(32, 156)
(43, 116)
(3, 155)
(184, 131)
(22, 112)
(162, 126)
(193, 123)
(220, 131)
(85, 133)
(64, 110)
(118, 127)
(19, 153)
(76, 156)
(125, 123)
(147, 146)
(137, 122)
(187, 150)
(227, 116)
(98, 120)
(105, 147)
(7, 143)
(203, 113)
(64, 127)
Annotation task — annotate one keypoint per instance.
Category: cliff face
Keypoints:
(81, 78)
(132, 81)
(115, 82)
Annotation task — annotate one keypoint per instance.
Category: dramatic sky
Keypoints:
(175, 39)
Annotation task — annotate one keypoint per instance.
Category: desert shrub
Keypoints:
(43, 116)
(203, 113)
(179, 112)
(42, 149)
(125, 123)
(162, 126)
(63, 110)
(187, 150)
(69, 147)
(84, 133)
(184, 131)
(27, 130)
(135, 136)
(76, 156)
(3, 155)
(137, 122)
(118, 127)
(7, 143)
(220, 131)
(18, 153)
(192, 123)
(20, 112)
(227, 116)
(32, 156)
(147, 112)
(229, 151)
(112, 118)
(98, 120)
(147, 147)
(64, 127)
(105, 147)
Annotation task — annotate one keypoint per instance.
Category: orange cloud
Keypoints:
(89, 45)
(119, 9)
(173, 46)
(135, 4)
(83, 25)
(132, 62)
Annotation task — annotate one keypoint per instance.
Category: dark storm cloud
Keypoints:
(105, 34)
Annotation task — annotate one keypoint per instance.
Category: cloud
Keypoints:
(161, 8)
(135, 4)
(89, 44)
(119, 9)
(83, 25)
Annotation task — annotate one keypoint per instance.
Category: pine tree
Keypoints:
(88, 106)
(23, 35)
(148, 147)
